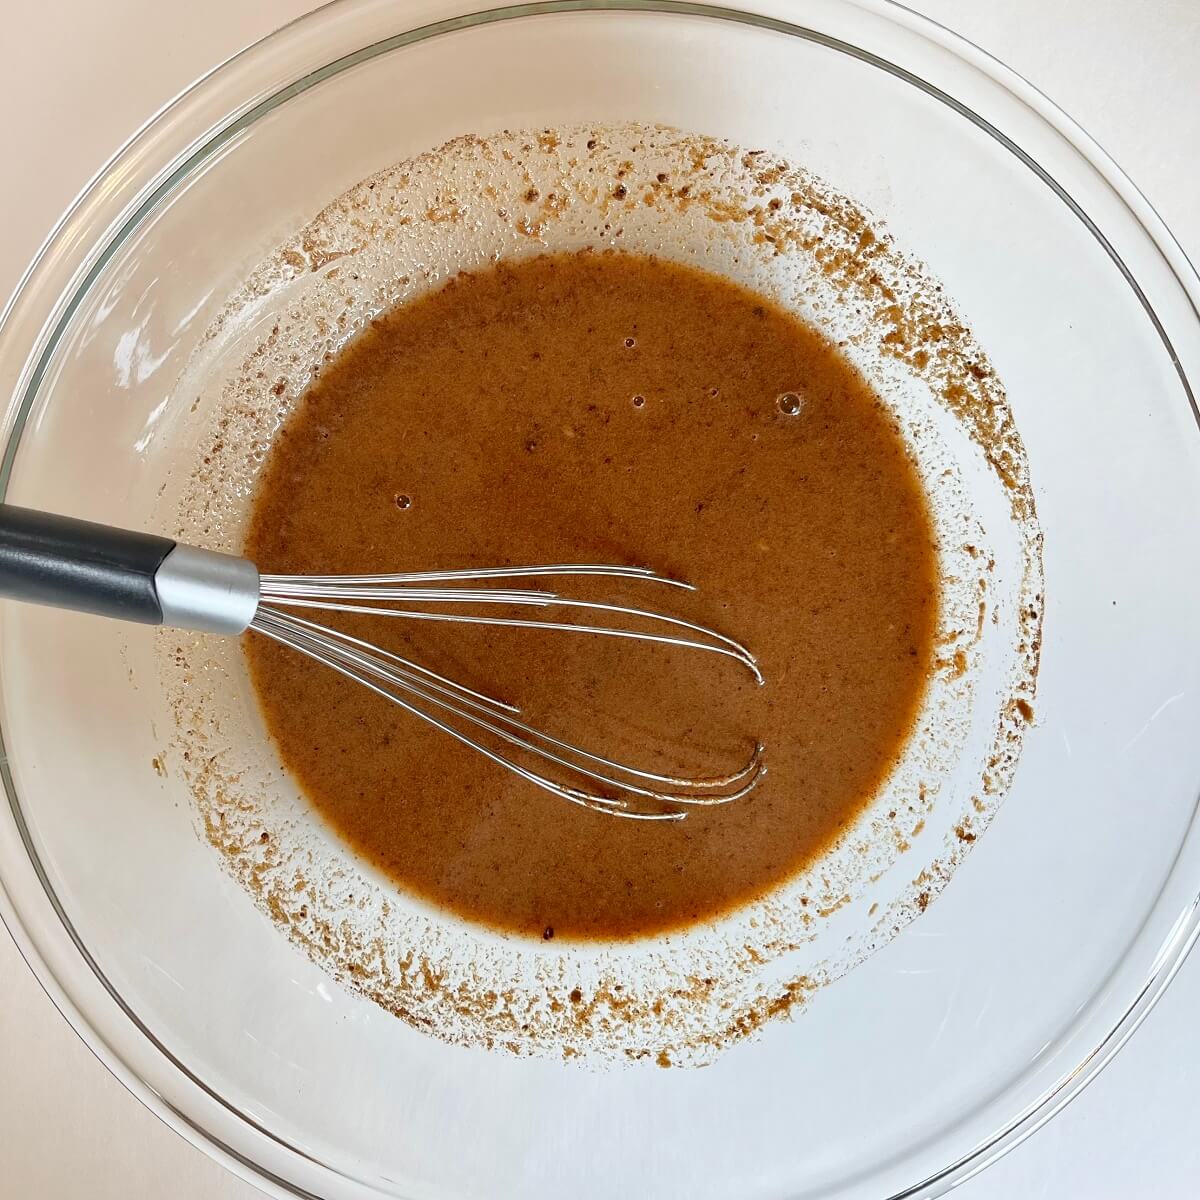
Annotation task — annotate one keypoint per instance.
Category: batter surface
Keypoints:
(604, 408)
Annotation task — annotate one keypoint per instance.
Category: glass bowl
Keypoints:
(949, 1044)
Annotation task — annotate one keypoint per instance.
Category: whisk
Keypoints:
(67, 563)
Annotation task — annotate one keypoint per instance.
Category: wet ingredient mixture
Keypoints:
(604, 408)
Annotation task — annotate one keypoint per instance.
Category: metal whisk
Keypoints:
(48, 559)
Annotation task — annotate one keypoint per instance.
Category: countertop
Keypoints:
(79, 77)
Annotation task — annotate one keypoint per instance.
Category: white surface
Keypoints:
(1129, 85)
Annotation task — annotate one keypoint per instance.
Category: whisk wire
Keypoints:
(367, 660)
(404, 664)
(416, 688)
(733, 650)
(278, 628)
(405, 577)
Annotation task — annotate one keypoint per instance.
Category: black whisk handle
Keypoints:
(79, 565)
(60, 561)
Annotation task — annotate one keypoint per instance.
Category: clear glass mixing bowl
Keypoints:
(1054, 938)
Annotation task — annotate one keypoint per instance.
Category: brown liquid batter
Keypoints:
(604, 408)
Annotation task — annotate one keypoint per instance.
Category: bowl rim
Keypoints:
(128, 187)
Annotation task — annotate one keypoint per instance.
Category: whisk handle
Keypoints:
(67, 563)
(48, 559)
